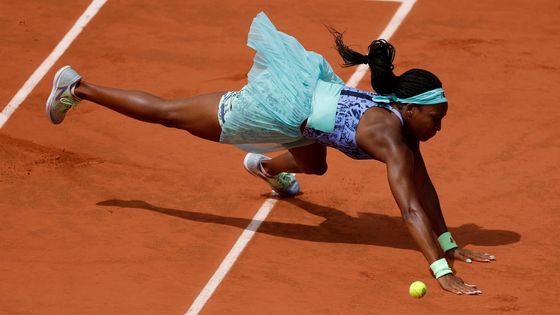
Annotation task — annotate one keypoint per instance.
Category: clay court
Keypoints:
(107, 215)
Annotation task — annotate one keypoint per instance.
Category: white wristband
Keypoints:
(440, 268)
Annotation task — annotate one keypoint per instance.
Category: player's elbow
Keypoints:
(410, 215)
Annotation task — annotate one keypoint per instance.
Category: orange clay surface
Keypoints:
(107, 215)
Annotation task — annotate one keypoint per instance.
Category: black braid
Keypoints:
(349, 56)
(381, 55)
(380, 60)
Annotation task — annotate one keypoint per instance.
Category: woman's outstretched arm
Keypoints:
(427, 192)
(400, 172)
(430, 203)
(386, 143)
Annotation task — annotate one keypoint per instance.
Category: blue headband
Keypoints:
(431, 97)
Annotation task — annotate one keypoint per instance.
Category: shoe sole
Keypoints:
(52, 96)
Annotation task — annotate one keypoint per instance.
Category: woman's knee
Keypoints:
(316, 169)
(311, 159)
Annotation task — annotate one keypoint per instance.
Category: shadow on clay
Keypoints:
(338, 227)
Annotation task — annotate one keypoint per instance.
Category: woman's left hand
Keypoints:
(468, 255)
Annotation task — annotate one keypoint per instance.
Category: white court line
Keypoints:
(231, 257)
(237, 249)
(47, 64)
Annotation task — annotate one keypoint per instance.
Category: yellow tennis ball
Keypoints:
(417, 289)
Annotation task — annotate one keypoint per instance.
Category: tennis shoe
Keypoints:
(284, 184)
(62, 96)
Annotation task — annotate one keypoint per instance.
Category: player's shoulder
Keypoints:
(381, 123)
(378, 130)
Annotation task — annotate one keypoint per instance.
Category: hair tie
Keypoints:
(365, 59)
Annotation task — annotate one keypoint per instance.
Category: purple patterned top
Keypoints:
(352, 105)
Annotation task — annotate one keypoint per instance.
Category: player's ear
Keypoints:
(409, 110)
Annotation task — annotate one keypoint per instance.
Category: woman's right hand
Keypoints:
(456, 285)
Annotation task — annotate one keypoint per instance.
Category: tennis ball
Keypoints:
(417, 289)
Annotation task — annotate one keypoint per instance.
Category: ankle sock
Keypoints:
(72, 90)
(261, 169)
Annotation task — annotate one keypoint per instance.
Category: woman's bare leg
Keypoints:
(310, 159)
(197, 115)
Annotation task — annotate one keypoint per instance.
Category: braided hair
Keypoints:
(380, 60)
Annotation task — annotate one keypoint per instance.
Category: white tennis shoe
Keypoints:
(62, 96)
(284, 184)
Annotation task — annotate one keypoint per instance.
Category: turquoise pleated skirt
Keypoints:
(266, 114)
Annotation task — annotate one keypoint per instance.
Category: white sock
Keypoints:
(72, 89)
(261, 169)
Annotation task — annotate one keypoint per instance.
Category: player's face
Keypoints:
(425, 120)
